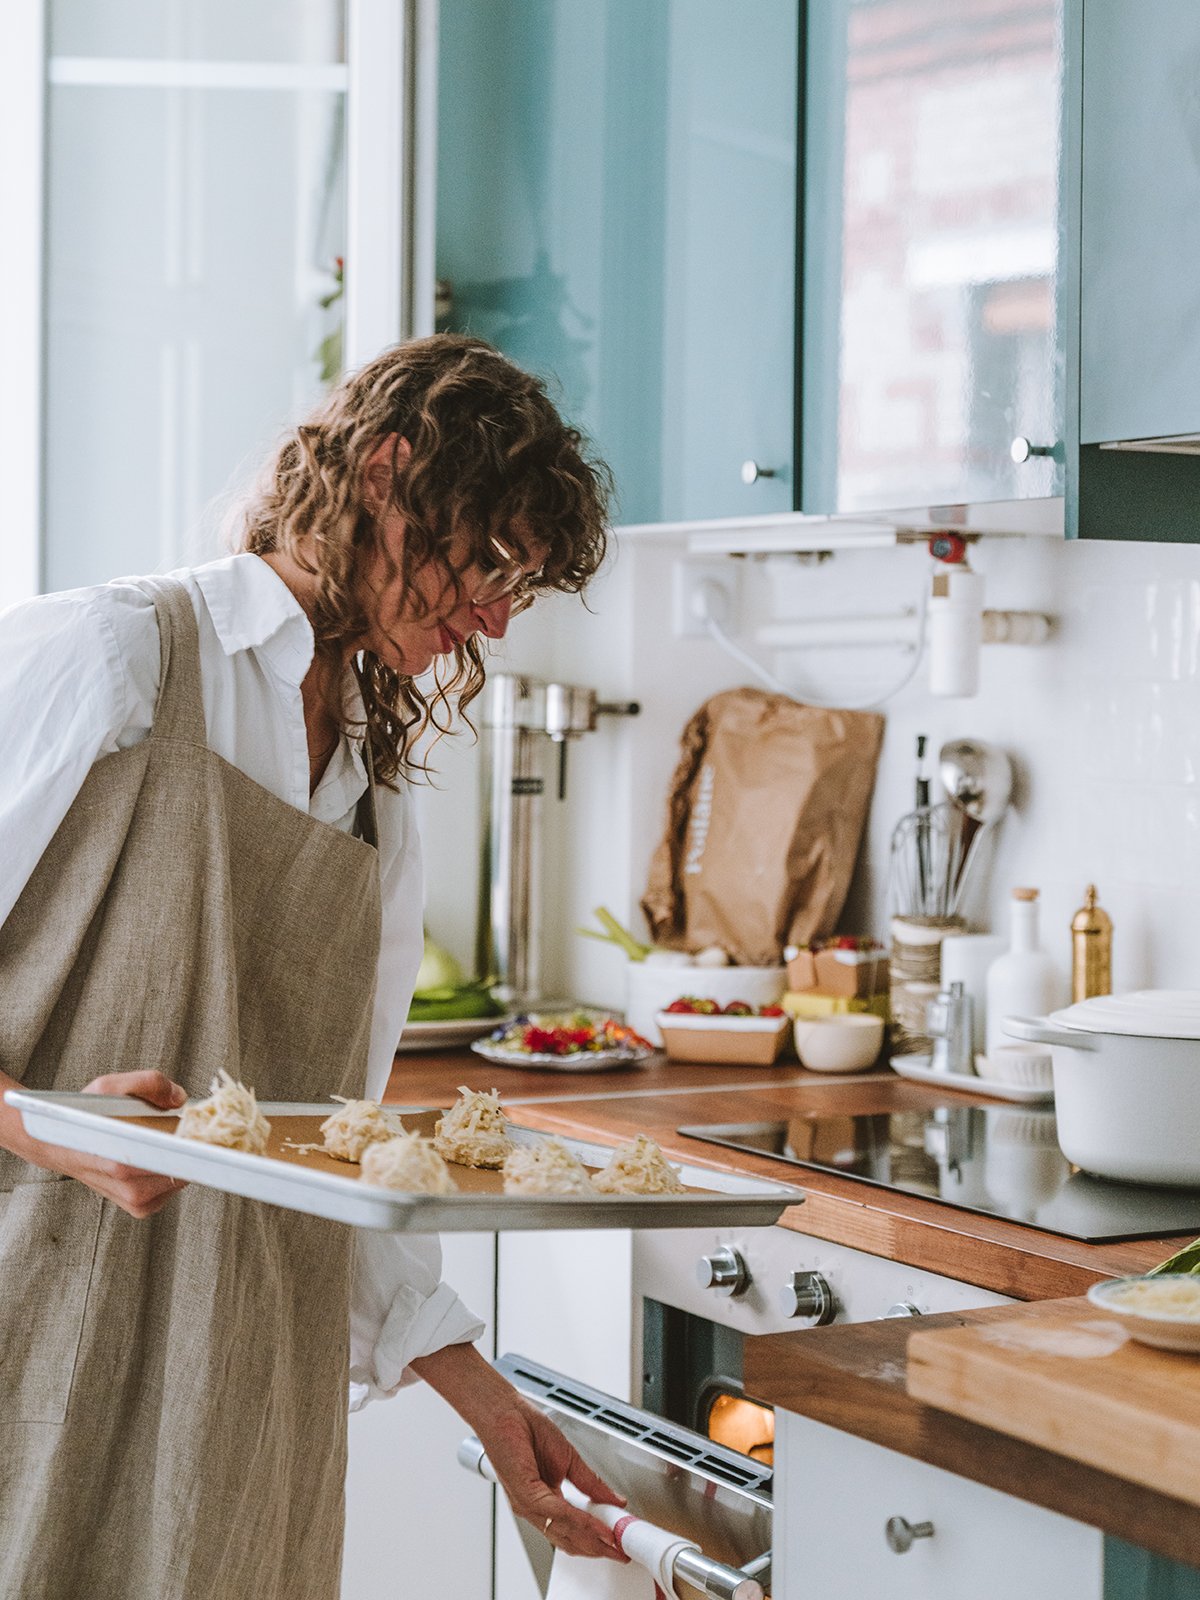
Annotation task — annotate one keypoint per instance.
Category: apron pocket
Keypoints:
(48, 1233)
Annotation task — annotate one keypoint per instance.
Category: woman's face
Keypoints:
(438, 610)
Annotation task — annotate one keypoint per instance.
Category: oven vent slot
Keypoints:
(666, 1440)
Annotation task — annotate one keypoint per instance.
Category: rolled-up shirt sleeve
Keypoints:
(400, 1309)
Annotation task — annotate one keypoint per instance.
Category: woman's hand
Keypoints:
(139, 1193)
(529, 1455)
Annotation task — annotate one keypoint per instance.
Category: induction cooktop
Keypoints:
(997, 1160)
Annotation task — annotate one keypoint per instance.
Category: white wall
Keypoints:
(1103, 724)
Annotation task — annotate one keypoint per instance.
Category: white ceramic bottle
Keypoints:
(1026, 981)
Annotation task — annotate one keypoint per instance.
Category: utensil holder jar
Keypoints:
(914, 973)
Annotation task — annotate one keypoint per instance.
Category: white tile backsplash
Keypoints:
(1102, 723)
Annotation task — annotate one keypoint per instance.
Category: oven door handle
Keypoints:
(712, 1578)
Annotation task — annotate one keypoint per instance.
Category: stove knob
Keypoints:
(724, 1270)
(904, 1308)
(808, 1298)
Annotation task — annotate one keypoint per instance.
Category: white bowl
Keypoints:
(650, 988)
(1165, 1329)
(848, 1042)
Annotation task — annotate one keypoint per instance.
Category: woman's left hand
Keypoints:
(529, 1455)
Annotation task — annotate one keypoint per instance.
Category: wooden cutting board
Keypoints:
(1062, 1375)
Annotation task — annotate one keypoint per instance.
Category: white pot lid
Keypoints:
(1152, 1013)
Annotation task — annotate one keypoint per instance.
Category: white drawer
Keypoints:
(834, 1494)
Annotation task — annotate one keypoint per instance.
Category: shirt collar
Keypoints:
(253, 609)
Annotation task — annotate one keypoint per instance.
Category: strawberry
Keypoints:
(739, 1008)
(771, 1011)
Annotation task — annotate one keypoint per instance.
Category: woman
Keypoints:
(210, 861)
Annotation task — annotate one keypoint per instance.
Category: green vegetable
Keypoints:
(1185, 1260)
(454, 1005)
(439, 972)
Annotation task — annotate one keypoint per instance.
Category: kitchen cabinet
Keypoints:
(616, 211)
(835, 1494)
(930, 334)
(416, 1523)
(565, 1300)
(1139, 233)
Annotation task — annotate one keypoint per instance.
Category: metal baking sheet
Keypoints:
(129, 1131)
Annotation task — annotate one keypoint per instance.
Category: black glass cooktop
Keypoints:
(1002, 1161)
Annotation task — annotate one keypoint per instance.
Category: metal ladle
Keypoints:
(978, 780)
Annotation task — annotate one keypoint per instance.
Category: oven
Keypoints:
(690, 1438)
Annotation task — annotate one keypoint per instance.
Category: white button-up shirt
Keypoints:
(78, 680)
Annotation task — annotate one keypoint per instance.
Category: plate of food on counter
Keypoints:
(402, 1168)
(570, 1041)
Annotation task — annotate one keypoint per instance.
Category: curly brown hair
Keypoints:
(490, 457)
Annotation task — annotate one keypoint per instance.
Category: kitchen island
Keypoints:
(839, 1391)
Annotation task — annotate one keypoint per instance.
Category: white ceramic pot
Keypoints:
(650, 988)
(1126, 1083)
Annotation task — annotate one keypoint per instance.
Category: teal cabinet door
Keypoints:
(616, 211)
(932, 139)
(1140, 244)
(1133, 1574)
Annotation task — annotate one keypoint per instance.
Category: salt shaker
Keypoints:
(950, 1023)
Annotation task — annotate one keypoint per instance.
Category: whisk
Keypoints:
(927, 851)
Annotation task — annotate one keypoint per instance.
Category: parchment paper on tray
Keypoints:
(765, 814)
(309, 1181)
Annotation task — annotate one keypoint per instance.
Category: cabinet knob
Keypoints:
(900, 1533)
(725, 1271)
(808, 1298)
(904, 1308)
(752, 472)
(1022, 449)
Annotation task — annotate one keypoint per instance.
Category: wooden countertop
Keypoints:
(658, 1097)
(853, 1377)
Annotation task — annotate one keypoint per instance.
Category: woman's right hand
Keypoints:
(139, 1193)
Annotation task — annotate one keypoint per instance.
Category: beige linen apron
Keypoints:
(173, 1391)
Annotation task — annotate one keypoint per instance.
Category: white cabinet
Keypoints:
(566, 1300)
(835, 1493)
(416, 1523)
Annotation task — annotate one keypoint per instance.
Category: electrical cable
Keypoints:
(719, 637)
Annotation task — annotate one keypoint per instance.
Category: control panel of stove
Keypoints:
(770, 1280)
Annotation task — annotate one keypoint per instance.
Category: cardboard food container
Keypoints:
(726, 1041)
(845, 974)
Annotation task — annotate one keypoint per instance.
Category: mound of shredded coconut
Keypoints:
(547, 1167)
(474, 1133)
(407, 1162)
(638, 1167)
(354, 1126)
(229, 1117)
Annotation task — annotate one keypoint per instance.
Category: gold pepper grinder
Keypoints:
(1091, 949)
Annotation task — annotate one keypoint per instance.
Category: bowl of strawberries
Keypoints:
(736, 1034)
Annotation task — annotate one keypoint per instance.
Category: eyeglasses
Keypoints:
(507, 578)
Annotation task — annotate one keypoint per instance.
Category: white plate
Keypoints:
(91, 1123)
(581, 1061)
(917, 1068)
(1162, 1330)
(449, 1034)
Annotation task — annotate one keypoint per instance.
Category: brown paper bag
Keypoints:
(765, 813)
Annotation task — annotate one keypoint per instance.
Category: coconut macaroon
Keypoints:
(229, 1117)
(547, 1167)
(354, 1126)
(638, 1167)
(474, 1132)
(406, 1162)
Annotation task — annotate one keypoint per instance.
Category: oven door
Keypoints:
(671, 1476)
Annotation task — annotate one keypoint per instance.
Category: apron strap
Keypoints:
(366, 821)
(179, 709)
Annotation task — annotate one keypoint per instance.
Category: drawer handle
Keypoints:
(900, 1533)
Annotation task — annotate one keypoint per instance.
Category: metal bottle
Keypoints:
(1091, 949)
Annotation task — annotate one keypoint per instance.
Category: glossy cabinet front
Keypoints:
(930, 337)
(616, 211)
